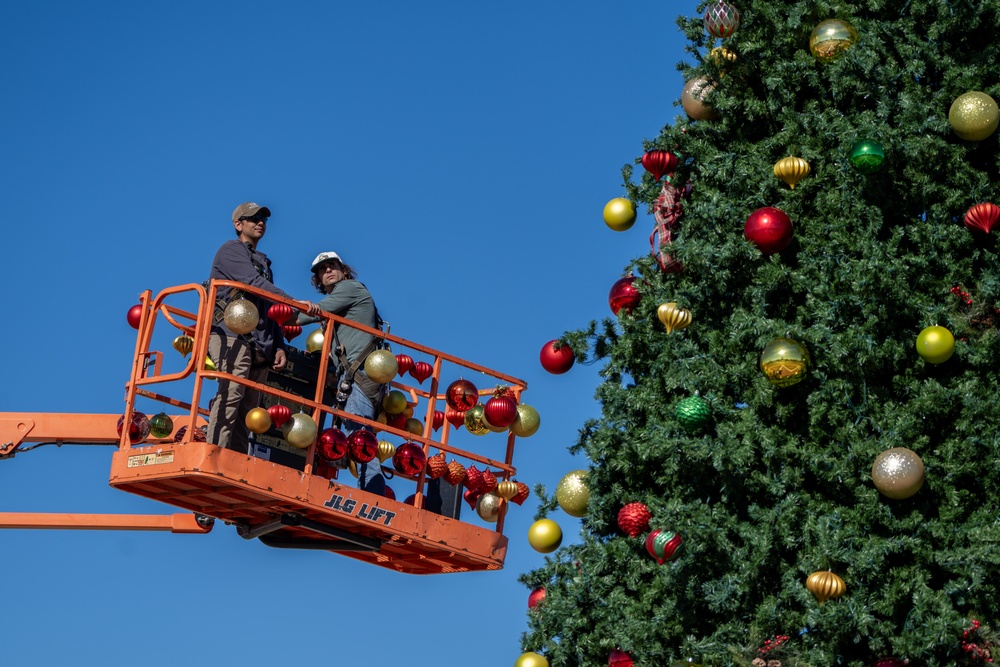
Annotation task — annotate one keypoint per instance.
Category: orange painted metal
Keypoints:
(174, 523)
(281, 506)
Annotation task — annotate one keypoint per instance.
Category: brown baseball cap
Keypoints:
(249, 209)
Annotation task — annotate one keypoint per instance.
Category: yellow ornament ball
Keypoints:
(974, 116)
(784, 362)
(572, 493)
(531, 659)
(241, 316)
(527, 422)
(545, 536)
(619, 214)
(299, 431)
(258, 420)
(935, 344)
(381, 366)
(394, 403)
(314, 342)
(831, 38)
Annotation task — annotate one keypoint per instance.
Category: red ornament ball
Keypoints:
(522, 493)
(619, 658)
(634, 519)
(138, 428)
(556, 357)
(535, 597)
(472, 497)
(133, 315)
(461, 395)
(770, 229)
(658, 162)
(890, 662)
(389, 493)
(333, 444)
(409, 459)
(501, 410)
(623, 295)
(362, 446)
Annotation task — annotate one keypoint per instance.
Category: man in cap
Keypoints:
(250, 355)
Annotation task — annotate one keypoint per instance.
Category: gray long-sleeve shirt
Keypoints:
(352, 300)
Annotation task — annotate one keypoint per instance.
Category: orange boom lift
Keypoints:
(301, 506)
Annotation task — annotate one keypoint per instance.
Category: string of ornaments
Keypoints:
(897, 473)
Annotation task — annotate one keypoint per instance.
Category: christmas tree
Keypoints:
(805, 471)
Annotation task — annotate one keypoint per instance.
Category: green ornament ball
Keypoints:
(693, 413)
(867, 156)
(160, 425)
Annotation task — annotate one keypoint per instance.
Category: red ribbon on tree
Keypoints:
(667, 211)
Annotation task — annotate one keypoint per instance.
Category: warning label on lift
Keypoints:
(157, 458)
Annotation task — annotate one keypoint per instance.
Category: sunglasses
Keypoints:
(256, 218)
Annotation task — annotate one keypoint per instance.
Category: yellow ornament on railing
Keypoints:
(507, 489)
(673, 318)
(314, 342)
(791, 170)
(184, 344)
(385, 450)
(241, 316)
(825, 586)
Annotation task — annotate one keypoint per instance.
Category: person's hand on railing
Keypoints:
(312, 308)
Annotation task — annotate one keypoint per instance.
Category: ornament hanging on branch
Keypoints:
(623, 295)
(659, 162)
(545, 536)
(572, 493)
(898, 473)
(619, 658)
(693, 97)
(672, 317)
(694, 413)
(831, 38)
(634, 519)
(974, 116)
(663, 545)
(556, 357)
(982, 217)
(667, 212)
(770, 229)
(536, 596)
(867, 156)
(825, 586)
(619, 214)
(791, 170)
(721, 20)
(935, 344)
(784, 362)
(531, 659)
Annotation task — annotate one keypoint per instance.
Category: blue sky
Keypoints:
(458, 155)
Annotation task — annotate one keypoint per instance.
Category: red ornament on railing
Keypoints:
(658, 162)
(404, 362)
(421, 371)
(982, 217)
(279, 414)
(290, 331)
(280, 312)
(455, 417)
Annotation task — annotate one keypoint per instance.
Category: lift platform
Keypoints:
(283, 506)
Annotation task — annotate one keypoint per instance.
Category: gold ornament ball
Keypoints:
(381, 366)
(314, 342)
(831, 38)
(258, 420)
(693, 99)
(299, 431)
(619, 214)
(385, 450)
(531, 659)
(791, 170)
(974, 116)
(527, 422)
(784, 362)
(394, 403)
(184, 344)
(825, 586)
(572, 493)
(241, 316)
(545, 536)
(935, 344)
(898, 473)
(488, 507)
(474, 420)
(414, 426)
(672, 317)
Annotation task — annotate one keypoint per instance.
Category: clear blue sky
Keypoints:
(459, 155)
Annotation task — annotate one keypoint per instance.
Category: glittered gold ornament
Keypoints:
(531, 659)
(720, 55)
(545, 536)
(527, 422)
(314, 341)
(385, 450)
(693, 99)
(184, 344)
(825, 586)
(784, 362)
(898, 473)
(974, 116)
(672, 317)
(299, 431)
(935, 344)
(241, 316)
(488, 507)
(381, 366)
(791, 170)
(831, 38)
(619, 214)
(473, 421)
(258, 420)
(572, 493)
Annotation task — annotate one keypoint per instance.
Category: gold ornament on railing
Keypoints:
(506, 489)
(184, 344)
(673, 318)
(385, 450)
(241, 316)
